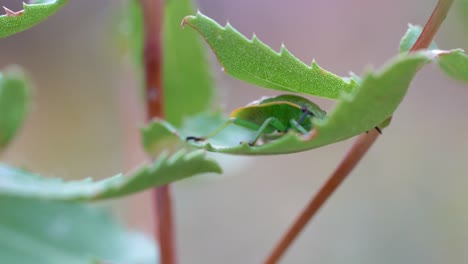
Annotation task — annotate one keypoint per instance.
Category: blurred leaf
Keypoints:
(188, 88)
(462, 7)
(46, 232)
(131, 33)
(410, 37)
(454, 64)
(167, 138)
(14, 99)
(32, 14)
(254, 62)
(371, 104)
(166, 169)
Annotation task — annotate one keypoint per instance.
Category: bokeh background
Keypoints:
(405, 203)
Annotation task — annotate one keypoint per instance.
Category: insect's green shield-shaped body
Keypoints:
(273, 114)
(283, 108)
(296, 100)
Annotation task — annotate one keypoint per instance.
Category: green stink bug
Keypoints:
(273, 114)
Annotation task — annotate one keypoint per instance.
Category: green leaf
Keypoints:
(160, 134)
(455, 64)
(14, 100)
(410, 37)
(462, 7)
(254, 62)
(130, 35)
(166, 138)
(32, 14)
(46, 232)
(166, 169)
(188, 88)
(370, 105)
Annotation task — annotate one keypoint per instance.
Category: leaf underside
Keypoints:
(47, 232)
(166, 169)
(31, 15)
(455, 64)
(372, 103)
(254, 62)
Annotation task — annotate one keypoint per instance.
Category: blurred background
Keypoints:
(405, 203)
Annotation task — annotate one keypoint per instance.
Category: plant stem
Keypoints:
(432, 25)
(357, 151)
(164, 228)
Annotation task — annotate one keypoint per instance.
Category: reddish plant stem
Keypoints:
(432, 25)
(164, 223)
(357, 151)
(152, 56)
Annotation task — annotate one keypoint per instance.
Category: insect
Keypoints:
(270, 115)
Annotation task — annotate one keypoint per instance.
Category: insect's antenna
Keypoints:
(194, 138)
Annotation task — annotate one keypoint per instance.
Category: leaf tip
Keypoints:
(215, 167)
(314, 65)
(256, 40)
(199, 13)
(228, 25)
(283, 49)
(186, 20)
(11, 13)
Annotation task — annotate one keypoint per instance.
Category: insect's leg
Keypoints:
(378, 130)
(214, 133)
(305, 113)
(296, 125)
(273, 121)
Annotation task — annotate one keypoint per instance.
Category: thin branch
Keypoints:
(357, 151)
(164, 223)
(432, 25)
(152, 13)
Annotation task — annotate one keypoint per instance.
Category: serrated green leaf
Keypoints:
(254, 62)
(14, 100)
(454, 64)
(410, 37)
(188, 88)
(160, 134)
(46, 232)
(32, 14)
(166, 169)
(371, 104)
